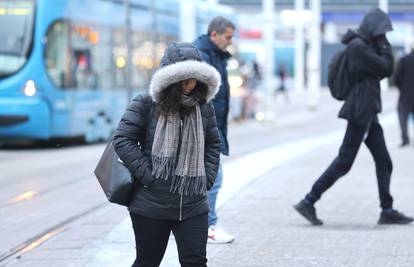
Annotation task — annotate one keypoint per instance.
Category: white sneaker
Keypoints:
(216, 235)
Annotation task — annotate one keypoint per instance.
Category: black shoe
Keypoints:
(308, 211)
(394, 217)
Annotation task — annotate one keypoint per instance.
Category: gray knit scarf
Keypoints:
(183, 160)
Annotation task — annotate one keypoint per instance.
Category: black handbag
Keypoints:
(114, 178)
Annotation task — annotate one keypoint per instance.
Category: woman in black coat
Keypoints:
(169, 141)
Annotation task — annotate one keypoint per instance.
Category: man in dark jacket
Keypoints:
(213, 47)
(369, 60)
(404, 79)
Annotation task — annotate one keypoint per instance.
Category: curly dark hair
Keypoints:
(170, 98)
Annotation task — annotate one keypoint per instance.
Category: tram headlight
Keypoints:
(29, 88)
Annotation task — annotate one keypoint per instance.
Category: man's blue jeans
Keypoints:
(212, 197)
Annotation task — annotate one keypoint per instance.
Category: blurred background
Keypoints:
(68, 68)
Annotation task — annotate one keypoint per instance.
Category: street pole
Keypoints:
(129, 55)
(188, 27)
(314, 56)
(268, 11)
(299, 49)
(383, 4)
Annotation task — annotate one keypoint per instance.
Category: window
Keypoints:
(79, 57)
(89, 55)
(16, 31)
(57, 54)
(119, 57)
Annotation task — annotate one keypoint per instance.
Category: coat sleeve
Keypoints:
(129, 137)
(378, 64)
(398, 77)
(212, 148)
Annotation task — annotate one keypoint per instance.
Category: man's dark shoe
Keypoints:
(394, 217)
(308, 211)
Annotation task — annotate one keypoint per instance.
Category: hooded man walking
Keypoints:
(369, 60)
(213, 47)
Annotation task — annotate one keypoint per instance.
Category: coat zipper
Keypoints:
(181, 207)
(181, 195)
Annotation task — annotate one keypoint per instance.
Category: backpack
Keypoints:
(339, 78)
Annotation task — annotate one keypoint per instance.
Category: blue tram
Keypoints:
(64, 64)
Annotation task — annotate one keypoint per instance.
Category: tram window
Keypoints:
(142, 59)
(85, 44)
(146, 56)
(57, 55)
(119, 56)
(101, 63)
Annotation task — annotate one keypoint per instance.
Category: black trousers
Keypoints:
(375, 142)
(151, 239)
(404, 110)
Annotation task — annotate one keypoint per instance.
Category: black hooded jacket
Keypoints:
(369, 60)
(218, 59)
(134, 137)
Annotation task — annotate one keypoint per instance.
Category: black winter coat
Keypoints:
(369, 61)
(133, 141)
(218, 59)
(404, 79)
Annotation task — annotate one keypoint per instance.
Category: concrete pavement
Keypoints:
(270, 233)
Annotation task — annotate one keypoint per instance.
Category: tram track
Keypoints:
(32, 243)
(75, 179)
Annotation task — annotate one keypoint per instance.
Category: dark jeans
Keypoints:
(343, 162)
(151, 239)
(404, 110)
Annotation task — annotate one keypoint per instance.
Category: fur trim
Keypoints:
(184, 70)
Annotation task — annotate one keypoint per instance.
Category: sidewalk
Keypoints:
(270, 233)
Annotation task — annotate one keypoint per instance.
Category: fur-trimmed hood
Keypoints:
(182, 61)
(184, 70)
